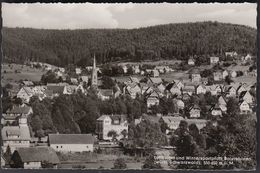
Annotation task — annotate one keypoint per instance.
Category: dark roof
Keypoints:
(38, 154)
(57, 89)
(19, 110)
(71, 139)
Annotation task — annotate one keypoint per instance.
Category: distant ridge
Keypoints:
(168, 41)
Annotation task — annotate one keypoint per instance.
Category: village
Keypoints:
(184, 84)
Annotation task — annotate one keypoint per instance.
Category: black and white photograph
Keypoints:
(129, 86)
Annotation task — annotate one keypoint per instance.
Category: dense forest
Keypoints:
(171, 41)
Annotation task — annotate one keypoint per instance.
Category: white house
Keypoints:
(106, 124)
(201, 89)
(216, 110)
(78, 71)
(191, 61)
(244, 107)
(72, 142)
(194, 111)
(246, 96)
(152, 99)
(15, 112)
(16, 136)
(214, 60)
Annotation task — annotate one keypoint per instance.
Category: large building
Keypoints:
(109, 127)
(16, 136)
(34, 158)
(72, 142)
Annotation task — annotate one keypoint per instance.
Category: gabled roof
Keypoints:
(189, 88)
(106, 92)
(156, 80)
(194, 107)
(56, 89)
(19, 110)
(38, 154)
(71, 139)
(28, 83)
(215, 107)
(172, 119)
(134, 79)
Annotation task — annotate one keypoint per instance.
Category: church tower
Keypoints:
(94, 81)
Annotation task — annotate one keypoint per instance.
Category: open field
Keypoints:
(161, 62)
(15, 72)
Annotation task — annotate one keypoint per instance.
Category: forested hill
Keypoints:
(62, 47)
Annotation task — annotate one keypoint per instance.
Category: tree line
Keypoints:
(171, 41)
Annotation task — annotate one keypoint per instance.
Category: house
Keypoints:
(134, 80)
(224, 74)
(204, 81)
(72, 142)
(200, 123)
(132, 89)
(231, 92)
(233, 73)
(222, 103)
(84, 78)
(180, 104)
(124, 67)
(179, 83)
(246, 96)
(3, 160)
(244, 107)
(27, 83)
(163, 69)
(194, 111)
(12, 115)
(136, 69)
(35, 158)
(222, 100)
(240, 89)
(143, 87)
(105, 94)
(217, 75)
(74, 81)
(195, 75)
(154, 81)
(25, 93)
(155, 73)
(106, 124)
(62, 70)
(152, 99)
(161, 88)
(201, 89)
(218, 88)
(172, 122)
(214, 60)
(188, 89)
(78, 71)
(174, 89)
(16, 136)
(57, 89)
(191, 61)
(186, 97)
(211, 89)
(231, 54)
(248, 57)
(216, 110)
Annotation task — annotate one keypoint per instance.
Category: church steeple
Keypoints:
(94, 73)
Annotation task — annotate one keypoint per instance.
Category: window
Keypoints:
(60, 146)
(87, 146)
(57, 146)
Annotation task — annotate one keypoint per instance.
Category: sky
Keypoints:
(128, 15)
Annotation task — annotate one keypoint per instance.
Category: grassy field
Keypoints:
(95, 161)
(12, 73)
